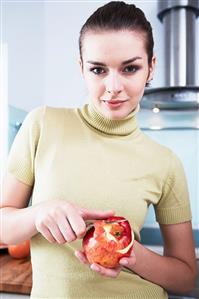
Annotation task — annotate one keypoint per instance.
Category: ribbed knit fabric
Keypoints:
(80, 156)
(108, 126)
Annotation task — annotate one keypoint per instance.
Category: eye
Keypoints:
(131, 69)
(97, 70)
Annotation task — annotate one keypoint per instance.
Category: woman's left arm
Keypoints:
(176, 270)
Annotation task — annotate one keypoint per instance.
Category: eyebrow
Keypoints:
(123, 63)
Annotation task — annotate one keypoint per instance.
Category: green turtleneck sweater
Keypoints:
(80, 156)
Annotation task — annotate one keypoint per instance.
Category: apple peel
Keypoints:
(107, 241)
(126, 249)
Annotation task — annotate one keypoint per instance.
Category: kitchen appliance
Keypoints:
(181, 90)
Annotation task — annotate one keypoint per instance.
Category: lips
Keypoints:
(115, 102)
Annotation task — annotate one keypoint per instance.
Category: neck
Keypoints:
(96, 120)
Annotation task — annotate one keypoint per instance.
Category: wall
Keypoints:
(23, 31)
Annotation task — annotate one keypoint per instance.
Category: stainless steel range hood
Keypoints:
(181, 89)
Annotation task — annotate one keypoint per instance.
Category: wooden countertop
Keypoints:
(15, 274)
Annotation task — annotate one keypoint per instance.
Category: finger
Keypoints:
(128, 262)
(81, 257)
(106, 271)
(47, 235)
(76, 222)
(55, 232)
(66, 230)
(95, 214)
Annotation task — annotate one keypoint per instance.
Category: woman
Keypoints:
(92, 162)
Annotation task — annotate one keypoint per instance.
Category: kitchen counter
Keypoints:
(15, 274)
(16, 277)
(13, 296)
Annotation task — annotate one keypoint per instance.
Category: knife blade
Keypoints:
(91, 223)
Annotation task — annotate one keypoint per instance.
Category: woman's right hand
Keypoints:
(60, 221)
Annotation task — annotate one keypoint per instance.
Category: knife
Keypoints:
(91, 223)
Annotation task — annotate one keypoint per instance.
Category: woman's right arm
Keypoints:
(17, 220)
(57, 220)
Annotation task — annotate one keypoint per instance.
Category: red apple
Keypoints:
(105, 243)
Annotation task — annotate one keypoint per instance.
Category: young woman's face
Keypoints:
(115, 68)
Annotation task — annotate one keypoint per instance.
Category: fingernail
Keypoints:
(95, 267)
(76, 253)
(124, 262)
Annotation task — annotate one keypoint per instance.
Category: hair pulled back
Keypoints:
(115, 16)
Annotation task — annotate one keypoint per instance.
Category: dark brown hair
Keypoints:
(115, 16)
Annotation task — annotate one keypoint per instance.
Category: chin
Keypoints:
(115, 115)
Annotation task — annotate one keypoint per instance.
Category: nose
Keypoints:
(113, 83)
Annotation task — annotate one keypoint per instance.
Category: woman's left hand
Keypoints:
(109, 272)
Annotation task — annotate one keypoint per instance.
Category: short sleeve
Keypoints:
(174, 205)
(22, 153)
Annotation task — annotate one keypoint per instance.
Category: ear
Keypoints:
(81, 66)
(151, 69)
